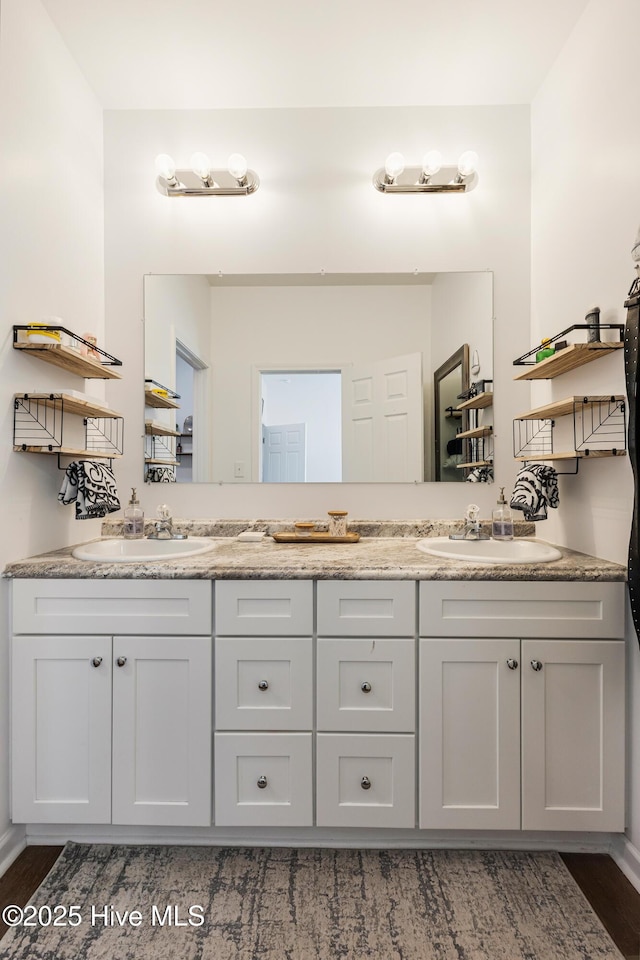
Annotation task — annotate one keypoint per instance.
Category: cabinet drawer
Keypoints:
(263, 779)
(366, 608)
(264, 608)
(519, 609)
(264, 683)
(366, 685)
(365, 780)
(112, 606)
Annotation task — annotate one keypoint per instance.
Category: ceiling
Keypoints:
(205, 54)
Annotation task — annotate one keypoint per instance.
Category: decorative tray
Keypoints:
(318, 537)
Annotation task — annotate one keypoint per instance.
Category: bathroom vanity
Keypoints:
(263, 686)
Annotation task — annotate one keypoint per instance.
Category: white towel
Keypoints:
(536, 488)
(92, 486)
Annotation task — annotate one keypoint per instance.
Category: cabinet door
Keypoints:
(162, 730)
(366, 685)
(61, 729)
(469, 734)
(573, 735)
(263, 683)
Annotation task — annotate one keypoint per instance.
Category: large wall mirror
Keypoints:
(308, 378)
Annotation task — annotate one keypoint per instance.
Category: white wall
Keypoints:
(316, 209)
(586, 210)
(51, 211)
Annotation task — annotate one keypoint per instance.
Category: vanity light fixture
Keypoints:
(432, 176)
(200, 180)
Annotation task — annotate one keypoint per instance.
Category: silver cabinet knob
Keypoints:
(512, 664)
(263, 685)
(262, 782)
(537, 666)
(96, 661)
(121, 661)
(365, 687)
(365, 783)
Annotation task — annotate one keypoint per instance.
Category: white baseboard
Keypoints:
(12, 842)
(627, 857)
(322, 837)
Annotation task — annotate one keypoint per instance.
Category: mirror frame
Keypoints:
(458, 359)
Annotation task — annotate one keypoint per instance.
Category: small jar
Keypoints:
(304, 528)
(338, 523)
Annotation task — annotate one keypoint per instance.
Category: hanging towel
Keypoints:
(92, 486)
(536, 489)
(480, 475)
(161, 475)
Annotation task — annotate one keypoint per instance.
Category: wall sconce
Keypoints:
(433, 176)
(201, 181)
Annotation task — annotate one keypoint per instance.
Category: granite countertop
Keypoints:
(386, 551)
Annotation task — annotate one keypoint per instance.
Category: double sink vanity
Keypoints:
(292, 689)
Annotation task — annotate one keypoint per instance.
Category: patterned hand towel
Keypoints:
(93, 487)
(536, 488)
(161, 475)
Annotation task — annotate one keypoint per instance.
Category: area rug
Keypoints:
(216, 903)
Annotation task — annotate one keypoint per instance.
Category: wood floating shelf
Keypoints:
(479, 402)
(476, 432)
(152, 399)
(475, 463)
(575, 355)
(70, 452)
(573, 455)
(154, 429)
(85, 408)
(562, 408)
(63, 356)
(160, 462)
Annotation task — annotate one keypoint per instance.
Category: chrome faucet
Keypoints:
(163, 529)
(471, 529)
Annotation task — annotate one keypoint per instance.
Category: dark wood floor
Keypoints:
(608, 891)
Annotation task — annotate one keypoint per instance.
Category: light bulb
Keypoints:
(237, 166)
(431, 163)
(468, 163)
(394, 165)
(201, 165)
(165, 167)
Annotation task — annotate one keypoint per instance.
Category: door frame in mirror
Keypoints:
(458, 359)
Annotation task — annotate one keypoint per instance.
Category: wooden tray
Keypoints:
(315, 538)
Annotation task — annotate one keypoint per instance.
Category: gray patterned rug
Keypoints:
(307, 904)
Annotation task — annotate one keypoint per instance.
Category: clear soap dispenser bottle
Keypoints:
(502, 519)
(133, 527)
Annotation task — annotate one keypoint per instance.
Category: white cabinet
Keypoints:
(111, 730)
(107, 727)
(263, 779)
(366, 685)
(61, 730)
(563, 771)
(365, 780)
(365, 755)
(264, 683)
(264, 687)
(573, 754)
(469, 734)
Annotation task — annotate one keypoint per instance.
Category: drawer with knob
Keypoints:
(365, 780)
(263, 779)
(366, 685)
(263, 683)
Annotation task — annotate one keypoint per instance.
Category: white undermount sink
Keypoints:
(520, 550)
(141, 551)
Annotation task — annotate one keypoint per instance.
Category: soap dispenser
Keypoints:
(502, 519)
(133, 527)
